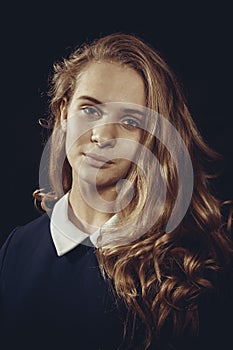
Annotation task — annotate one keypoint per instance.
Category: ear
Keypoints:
(63, 114)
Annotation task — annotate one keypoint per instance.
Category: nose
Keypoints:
(104, 136)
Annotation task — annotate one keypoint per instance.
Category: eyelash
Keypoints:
(90, 111)
(96, 111)
(136, 123)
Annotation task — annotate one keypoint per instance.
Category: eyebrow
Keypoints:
(126, 110)
(91, 99)
(134, 111)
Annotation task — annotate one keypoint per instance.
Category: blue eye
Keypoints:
(131, 123)
(91, 111)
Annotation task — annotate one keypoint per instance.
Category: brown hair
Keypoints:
(160, 276)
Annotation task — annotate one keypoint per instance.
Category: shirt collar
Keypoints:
(65, 235)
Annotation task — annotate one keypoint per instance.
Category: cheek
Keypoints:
(74, 140)
(127, 149)
(123, 166)
(78, 130)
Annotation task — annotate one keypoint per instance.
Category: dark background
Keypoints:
(195, 39)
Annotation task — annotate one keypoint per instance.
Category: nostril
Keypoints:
(102, 141)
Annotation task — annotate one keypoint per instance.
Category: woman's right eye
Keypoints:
(91, 111)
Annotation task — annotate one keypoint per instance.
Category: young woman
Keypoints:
(133, 253)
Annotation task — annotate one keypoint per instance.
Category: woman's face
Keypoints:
(102, 123)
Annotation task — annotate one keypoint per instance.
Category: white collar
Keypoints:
(66, 236)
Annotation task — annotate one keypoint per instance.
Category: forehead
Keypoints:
(111, 82)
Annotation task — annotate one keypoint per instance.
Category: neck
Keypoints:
(85, 210)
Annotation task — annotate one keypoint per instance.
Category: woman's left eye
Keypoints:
(131, 123)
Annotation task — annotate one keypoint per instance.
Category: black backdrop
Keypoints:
(194, 38)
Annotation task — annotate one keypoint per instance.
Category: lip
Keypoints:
(92, 157)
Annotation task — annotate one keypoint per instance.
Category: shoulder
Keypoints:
(26, 238)
(31, 229)
(42, 222)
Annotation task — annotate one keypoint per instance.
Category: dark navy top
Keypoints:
(45, 299)
(52, 302)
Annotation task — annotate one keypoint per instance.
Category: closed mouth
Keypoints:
(98, 158)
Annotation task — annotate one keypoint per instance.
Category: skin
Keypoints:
(94, 124)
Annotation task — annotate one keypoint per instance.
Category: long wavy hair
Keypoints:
(160, 276)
